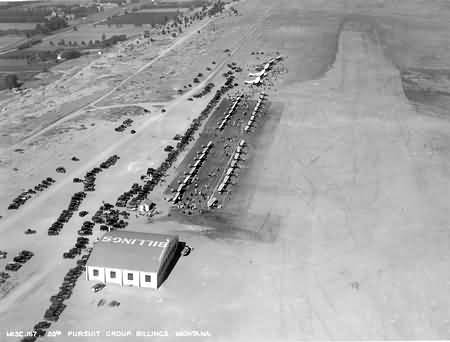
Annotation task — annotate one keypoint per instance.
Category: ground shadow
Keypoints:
(171, 265)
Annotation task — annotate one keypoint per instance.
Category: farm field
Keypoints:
(85, 33)
(17, 26)
(9, 39)
(146, 17)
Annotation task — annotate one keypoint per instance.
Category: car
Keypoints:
(132, 131)
(30, 231)
(26, 255)
(42, 325)
(3, 254)
(68, 255)
(186, 250)
(83, 213)
(20, 259)
(98, 287)
(4, 275)
(168, 148)
(80, 245)
(13, 266)
(39, 332)
(114, 303)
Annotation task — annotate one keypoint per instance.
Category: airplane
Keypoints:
(256, 74)
(256, 81)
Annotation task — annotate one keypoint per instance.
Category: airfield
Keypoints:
(334, 224)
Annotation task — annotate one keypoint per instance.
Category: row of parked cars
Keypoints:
(80, 244)
(89, 178)
(26, 195)
(65, 291)
(66, 214)
(86, 228)
(57, 305)
(125, 124)
(19, 260)
(205, 90)
(127, 195)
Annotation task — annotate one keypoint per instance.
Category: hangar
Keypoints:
(129, 258)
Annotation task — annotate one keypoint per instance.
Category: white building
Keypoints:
(130, 258)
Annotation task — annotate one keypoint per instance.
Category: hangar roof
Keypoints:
(131, 250)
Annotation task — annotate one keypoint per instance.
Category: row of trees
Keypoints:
(104, 42)
(9, 81)
(47, 26)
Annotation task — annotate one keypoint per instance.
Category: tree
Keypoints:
(70, 54)
(11, 81)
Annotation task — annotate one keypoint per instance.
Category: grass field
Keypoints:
(9, 39)
(17, 26)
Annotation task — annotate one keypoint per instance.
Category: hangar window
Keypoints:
(130, 276)
(148, 278)
(112, 274)
(95, 273)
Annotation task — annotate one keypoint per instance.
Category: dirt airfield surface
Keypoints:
(347, 195)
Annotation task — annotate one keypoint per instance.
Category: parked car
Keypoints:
(186, 250)
(13, 266)
(4, 275)
(68, 255)
(42, 325)
(83, 213)
(98, 287)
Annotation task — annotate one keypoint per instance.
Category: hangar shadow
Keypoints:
(171, 265)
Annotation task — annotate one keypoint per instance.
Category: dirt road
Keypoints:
(163, 53)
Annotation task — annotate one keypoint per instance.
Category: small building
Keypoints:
(129, 258)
